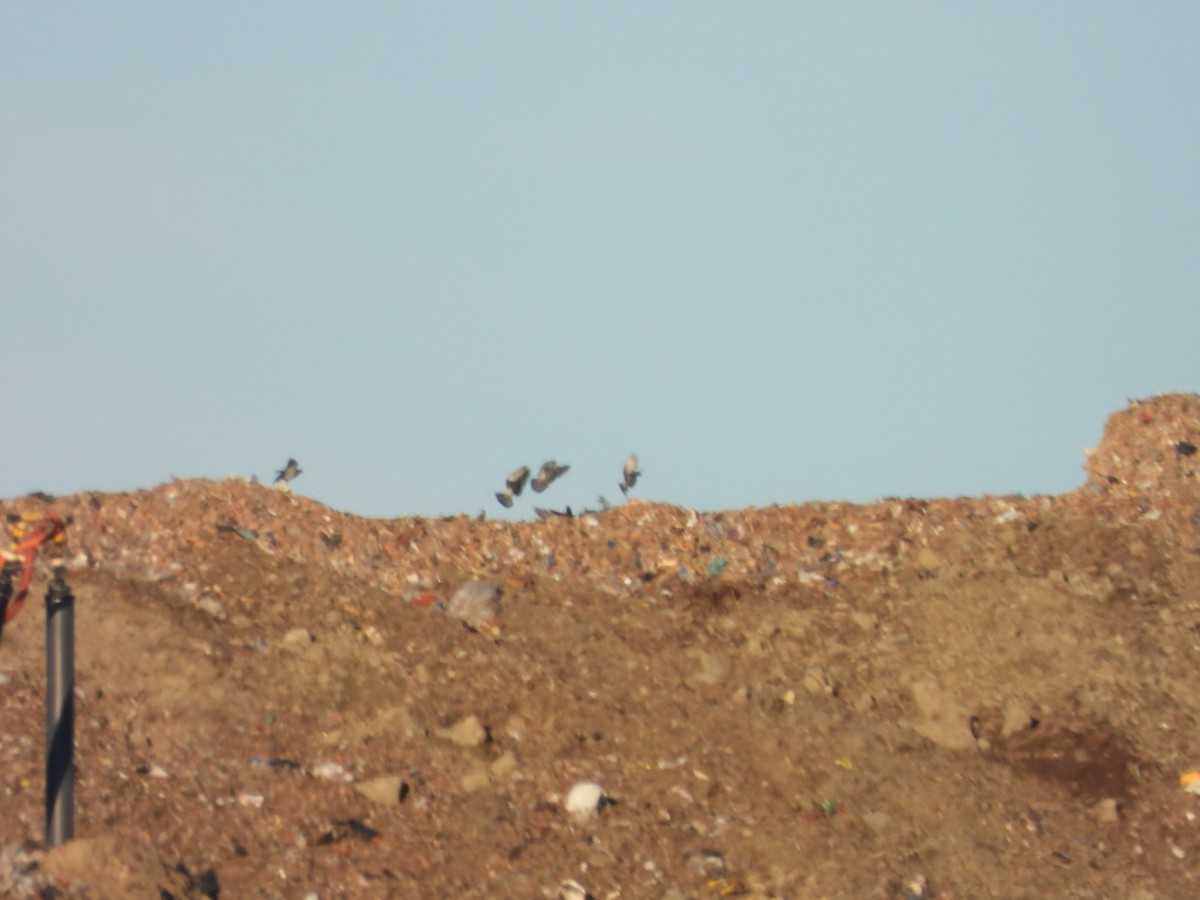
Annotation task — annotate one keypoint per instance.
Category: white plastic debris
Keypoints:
(572, 890)
(584, 800)
(332, 771)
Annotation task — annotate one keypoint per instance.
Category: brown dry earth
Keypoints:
(952, 698)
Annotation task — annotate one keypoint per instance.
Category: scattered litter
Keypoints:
(707, 863)
(332, 771)
(585, 799)
(1190, 782)
(717, 566)
(274, 762)
(572, 890)
(245, 534)
(342, 829)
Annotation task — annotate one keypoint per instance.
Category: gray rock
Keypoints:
(476, 603)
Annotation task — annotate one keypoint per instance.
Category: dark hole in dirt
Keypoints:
(1095, 763)
(715, 596)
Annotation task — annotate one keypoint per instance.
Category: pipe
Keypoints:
(60, 710)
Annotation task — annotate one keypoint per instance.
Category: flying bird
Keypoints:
(547, 475)
(631, 474)
(516, 481)
(288, 472)
(506, 498)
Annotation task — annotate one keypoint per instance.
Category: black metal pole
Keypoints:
(7, 573)
(60, 711)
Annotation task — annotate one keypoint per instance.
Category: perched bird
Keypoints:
(547, 514)
(288, 472)
(506, 498)
(516, 481)
(547, 475)
(631, 474)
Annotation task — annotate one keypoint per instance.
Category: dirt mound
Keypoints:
(960, 697)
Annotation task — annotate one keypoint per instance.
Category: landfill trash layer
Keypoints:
(969, 679)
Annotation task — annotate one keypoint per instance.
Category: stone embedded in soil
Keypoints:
(930, 562)
(1106, 811)
(818, 683)
(710, 669)
(476, 778)
(504, 766)
(1017, 718)
(942, 720)
(475, 603)
(385, 790)
(468, 732)
(297, 639)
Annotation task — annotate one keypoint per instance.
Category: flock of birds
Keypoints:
(549, 473)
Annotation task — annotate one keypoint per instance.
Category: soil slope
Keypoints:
(952, 698)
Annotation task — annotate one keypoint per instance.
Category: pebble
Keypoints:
(468, 732)
(297, 638)
(817, 682)
(211, 605)
(1017, 718)
(477, 778)
(1106, 811)
(387, 790)
(943, 721)
(504, 766)
(929, 561)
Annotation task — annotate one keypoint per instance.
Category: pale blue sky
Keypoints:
(784, 251)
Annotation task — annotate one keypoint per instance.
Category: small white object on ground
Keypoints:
(584, 800)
